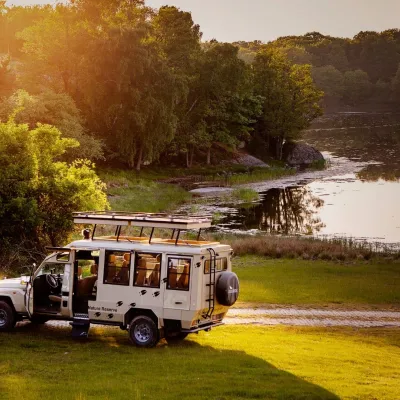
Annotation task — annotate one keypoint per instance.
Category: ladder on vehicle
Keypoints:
(212, 281)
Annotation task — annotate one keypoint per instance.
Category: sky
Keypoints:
(265, 20)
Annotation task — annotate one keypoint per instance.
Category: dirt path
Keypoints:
(313, 317)
(293, 316)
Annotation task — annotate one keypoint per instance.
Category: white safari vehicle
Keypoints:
(152, 287)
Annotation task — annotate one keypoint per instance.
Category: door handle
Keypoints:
(178, 302)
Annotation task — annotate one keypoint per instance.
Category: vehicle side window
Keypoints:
(147, 270)
(221, 265)
(178, 273)
(54, 268)
(117, 268)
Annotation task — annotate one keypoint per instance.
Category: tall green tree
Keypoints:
(179, 40)
(357, 87)
(15, 19)
(54, 48)
(7, 77)
(227, 94)
(330, 81)
(56, 109)
(131, 95)
(291, 100)
(395, 85)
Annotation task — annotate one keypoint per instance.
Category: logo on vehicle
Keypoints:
(119, 304)
(156, 294)
(143, 292)
(133, 304)
(110, 316)
(97, 314)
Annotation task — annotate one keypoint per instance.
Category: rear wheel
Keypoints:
(7, 317)
(143, 332)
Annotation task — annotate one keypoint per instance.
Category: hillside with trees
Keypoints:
(358, 73)
(137, 86)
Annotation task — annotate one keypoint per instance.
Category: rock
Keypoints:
(250, 161)
(300, 154)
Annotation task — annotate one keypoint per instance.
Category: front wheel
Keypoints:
(7, 317)
(143, 332)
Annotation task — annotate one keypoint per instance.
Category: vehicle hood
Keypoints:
(15, 283)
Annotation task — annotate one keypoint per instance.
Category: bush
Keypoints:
(38, 193)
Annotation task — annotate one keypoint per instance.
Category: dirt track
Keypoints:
(293, 316)
(313, 317)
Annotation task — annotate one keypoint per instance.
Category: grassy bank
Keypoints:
(159, 190)
(129, 192)
(308, 248)
(319, 283)
(238, 362)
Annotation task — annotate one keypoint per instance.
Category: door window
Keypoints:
(53, 268)
(86, 273)
(178, 273)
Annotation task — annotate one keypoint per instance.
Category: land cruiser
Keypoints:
(152, 287)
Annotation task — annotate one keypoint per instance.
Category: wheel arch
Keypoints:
(8, 300)
(135, 312)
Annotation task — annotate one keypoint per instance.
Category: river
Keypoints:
(357, 196)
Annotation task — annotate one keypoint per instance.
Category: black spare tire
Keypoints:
(227, 289)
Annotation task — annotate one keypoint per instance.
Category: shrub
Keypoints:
(38, 193)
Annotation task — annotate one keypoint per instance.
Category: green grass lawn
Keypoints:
(237, 362)
(281, 281)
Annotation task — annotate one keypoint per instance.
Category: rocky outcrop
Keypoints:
(296, 154)
(250, 161)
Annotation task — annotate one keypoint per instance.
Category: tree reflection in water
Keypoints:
(293, 210)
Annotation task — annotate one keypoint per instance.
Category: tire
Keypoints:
(227, 288)
(7, 317)
(177, 337)
(143, 332)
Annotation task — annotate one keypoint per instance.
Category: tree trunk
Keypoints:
(187, 159)
(191, 156)
(279, 148)
(139, 159)
(209, 156)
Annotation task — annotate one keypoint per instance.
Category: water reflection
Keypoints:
(293, 210)
(362, 138)
(358, 196)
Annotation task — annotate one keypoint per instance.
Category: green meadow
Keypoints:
(235, 362)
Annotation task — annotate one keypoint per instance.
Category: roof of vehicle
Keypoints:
(160, 220)
(157, 245)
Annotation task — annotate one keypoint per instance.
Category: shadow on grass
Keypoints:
(107, 367)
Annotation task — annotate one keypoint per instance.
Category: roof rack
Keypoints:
(152, 220)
